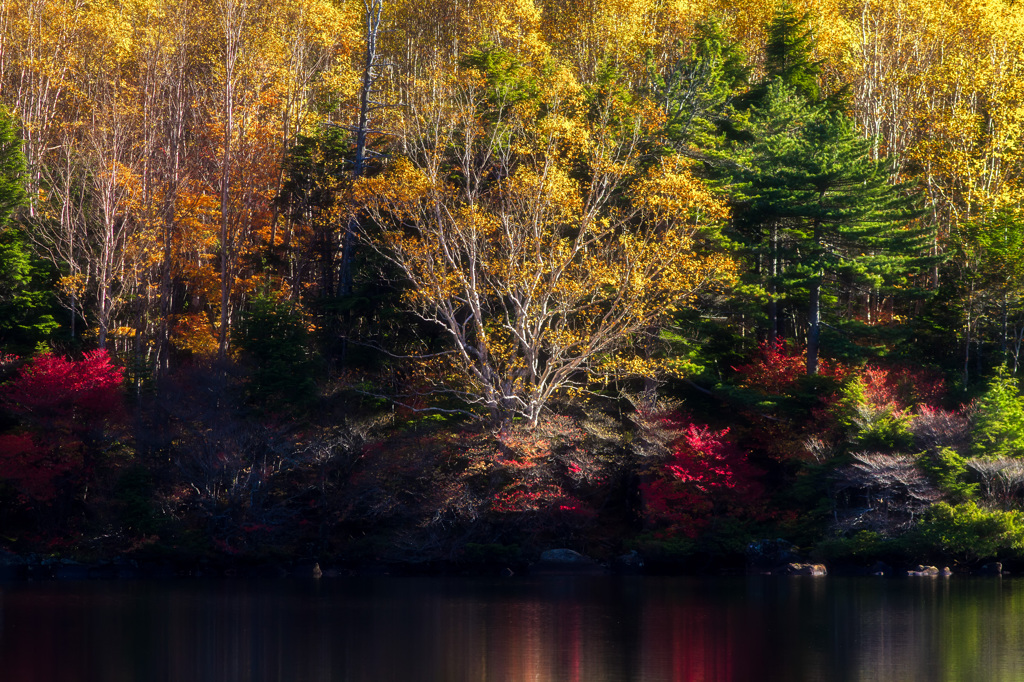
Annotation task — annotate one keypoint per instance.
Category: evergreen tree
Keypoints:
(829, 208)
(273, 336)
(789, 55)
(811, 205)
(27, 303)
(12, 168)
(26, 296)
(698, 91)
(988, 274)
(998, 424)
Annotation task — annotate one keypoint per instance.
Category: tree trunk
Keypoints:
(233, 22)
(773, 272)
(374, 11)
(814, 325)
(814, 310)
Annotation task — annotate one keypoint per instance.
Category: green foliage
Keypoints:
(672, 550)
(849, 399)
(884, 431)
(697, 91)
(508, 82)
(27, 302)
(862, 547)
(273, 336)
(12, 168)
(788, 54)
(314, 171)
(998, 428)
(970, 533)
(947, 469)
(986, 276)
(814, 210)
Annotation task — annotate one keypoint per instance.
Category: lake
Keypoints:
(587, 629)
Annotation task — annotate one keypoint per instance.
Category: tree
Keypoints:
(12, 169)
(26, 296)
(813, 204)
(273, 335)
(837, 212)
(998, 424)
(63, 407)
(532, 236)
(989, 275)
(25, 315)
(698, 90)
(788, 56)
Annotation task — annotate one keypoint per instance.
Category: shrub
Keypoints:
(947, 469)
(63, 408)
(883, 431)
(969, 533)
(935, 428)
(272, 334)
(1001, 479)
(998, 429)
(862, 547)
(705, 474)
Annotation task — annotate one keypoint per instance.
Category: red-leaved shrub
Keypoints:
(705, 474)
(63, 407)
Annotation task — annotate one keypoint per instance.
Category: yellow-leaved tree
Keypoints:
(534, 235)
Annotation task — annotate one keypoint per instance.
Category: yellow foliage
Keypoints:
(537, 272)
(194, 333)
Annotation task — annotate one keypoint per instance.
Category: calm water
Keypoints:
(519, 629)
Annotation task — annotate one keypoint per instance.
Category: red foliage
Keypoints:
(780, 371)
(776, 368)
(705, 474)
(62, 404)
(32, 468)
(899, 387)
(51, 388)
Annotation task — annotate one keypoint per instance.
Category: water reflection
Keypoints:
(592, 630)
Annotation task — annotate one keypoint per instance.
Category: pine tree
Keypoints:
(12, 168)
(831, 209)
(788, 55)
(26, 301)
(811, 205)
(998, 425)
(698, 91)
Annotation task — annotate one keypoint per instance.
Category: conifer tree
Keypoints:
(698, 91)
(25, 302)
(12, 168)
(789, 55)
(998, 425)
(813, 204)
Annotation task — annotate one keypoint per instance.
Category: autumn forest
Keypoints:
(446, 284)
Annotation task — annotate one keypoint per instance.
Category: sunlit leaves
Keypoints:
(537, 241)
